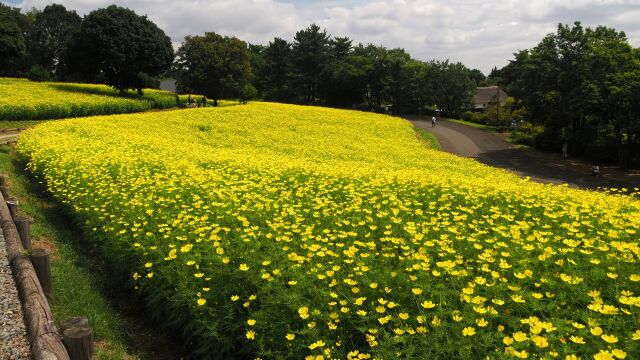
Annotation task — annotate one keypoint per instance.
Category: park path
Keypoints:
(492, 150)
(6, 138)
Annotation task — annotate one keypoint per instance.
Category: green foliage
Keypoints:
(49, 36)
(527, 133)
(119, 45)
(213, 65)
(38, 73)
(583, 86)
(475, 117)
(310, 53)
(12, 45)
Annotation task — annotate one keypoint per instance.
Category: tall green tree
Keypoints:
(310, 53)
(213, 65)
(448, 86)
(12, 46)
(49, 36)
(120, 47)
(277, 74)
(580, 84)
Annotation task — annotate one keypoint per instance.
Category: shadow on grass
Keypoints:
(139, 335)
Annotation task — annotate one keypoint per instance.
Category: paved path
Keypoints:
(491, 149)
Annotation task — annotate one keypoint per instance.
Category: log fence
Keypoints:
(32, 271)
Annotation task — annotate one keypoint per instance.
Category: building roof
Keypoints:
(489, 94)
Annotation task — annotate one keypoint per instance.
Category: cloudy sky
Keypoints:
(481, 34)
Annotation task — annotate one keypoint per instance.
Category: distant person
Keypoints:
(433, 121)
(595, 170)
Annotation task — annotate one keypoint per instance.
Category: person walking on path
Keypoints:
(433, 121)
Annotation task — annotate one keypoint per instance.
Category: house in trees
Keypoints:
(489, 95)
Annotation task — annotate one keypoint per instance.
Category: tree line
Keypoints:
(115, 46)
(580, 86)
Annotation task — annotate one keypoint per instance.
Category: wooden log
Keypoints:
(12, 204)
(76, 321)
(41, 260)
(41, 327)
(5, 191)
(79, 343)
(46, 344)
(23, 226)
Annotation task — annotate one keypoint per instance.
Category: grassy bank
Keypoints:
(428, 138)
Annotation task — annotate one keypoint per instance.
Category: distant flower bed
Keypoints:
(286, 232)
(26, 100)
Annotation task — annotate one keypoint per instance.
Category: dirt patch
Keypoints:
(44, 242)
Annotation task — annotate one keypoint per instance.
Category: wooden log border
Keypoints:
(46, 343)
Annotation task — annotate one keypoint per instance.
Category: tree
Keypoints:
(581, 85)
(121, 47)
(310, 54)
(477, 77)
(12, 47)
(214, 66)
(449, 86)
(48, 38)
(277, 74)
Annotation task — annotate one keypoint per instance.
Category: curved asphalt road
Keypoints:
(490, 149)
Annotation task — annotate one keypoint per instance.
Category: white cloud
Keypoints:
(481, 34)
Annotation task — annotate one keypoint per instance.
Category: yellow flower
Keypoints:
(603, 355)
(596, 331)
(636, 335)
(244, 267)
(540, 341)
(290, 337)
(251, 322)
(619, 353)
(611, 339)
(482, 322)
(316, 344)
(521, 354)
(428, 305)
(507, 340)
(520, 336)
(577, 339)
(201, 302)
(416, 291)
(469, 331)
(251, 335)
(235, 297)
(403, 316)
(303, 312)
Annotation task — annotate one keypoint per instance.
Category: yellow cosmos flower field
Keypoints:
(26, 100)
(283, 232)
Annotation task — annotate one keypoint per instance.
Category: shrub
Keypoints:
(38, 73)
(476, 117)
